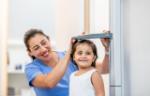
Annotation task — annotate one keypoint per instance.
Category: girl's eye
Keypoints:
(79, 53)
(88, 53)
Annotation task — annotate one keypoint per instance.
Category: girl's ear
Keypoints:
(94, 58)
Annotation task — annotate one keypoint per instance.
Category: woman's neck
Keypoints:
(53, 60)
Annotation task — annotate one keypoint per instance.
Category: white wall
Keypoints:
(26, 14)
(69, 21)
(99, 15)
(136, 33)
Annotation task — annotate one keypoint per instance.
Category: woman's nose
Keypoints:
(43, 48)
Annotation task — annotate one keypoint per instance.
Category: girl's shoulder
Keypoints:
(92, 71)
(87, 73)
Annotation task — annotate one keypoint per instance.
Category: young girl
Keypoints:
(86, 81)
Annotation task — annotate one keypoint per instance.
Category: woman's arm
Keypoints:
(52, 78)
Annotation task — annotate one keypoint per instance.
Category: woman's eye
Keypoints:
(36, 48)
(43, 43)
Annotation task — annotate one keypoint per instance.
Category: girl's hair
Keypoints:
(31, 33)
(90, 43)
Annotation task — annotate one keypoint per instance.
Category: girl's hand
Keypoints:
(106, 41)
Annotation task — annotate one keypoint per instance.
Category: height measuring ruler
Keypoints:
(94, 36)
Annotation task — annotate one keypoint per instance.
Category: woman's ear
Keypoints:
(29, 53)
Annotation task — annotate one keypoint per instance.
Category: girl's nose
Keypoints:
(83, 55)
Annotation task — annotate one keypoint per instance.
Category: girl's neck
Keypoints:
(83, 70)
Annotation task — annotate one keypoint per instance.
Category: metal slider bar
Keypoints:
(115, 85)
(93, 36)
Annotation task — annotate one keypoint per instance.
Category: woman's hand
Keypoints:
(72, 42)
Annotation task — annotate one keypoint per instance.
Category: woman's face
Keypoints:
(39, 47)
(84, 56)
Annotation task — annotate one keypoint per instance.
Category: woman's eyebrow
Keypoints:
(34, 46)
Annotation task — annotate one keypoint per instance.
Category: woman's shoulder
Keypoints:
(34, 63)
(59, 52)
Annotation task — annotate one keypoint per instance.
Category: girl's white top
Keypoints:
(81, 85)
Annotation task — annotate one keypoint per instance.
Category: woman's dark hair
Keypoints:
(90, 43)
(31, 33)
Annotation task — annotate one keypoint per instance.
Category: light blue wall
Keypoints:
(136, 34)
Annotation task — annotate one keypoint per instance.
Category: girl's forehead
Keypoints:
(83, 46)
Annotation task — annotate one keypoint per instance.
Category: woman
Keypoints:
(50, 70)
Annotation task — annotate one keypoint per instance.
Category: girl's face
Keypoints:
(84, 56)
(39, 47)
